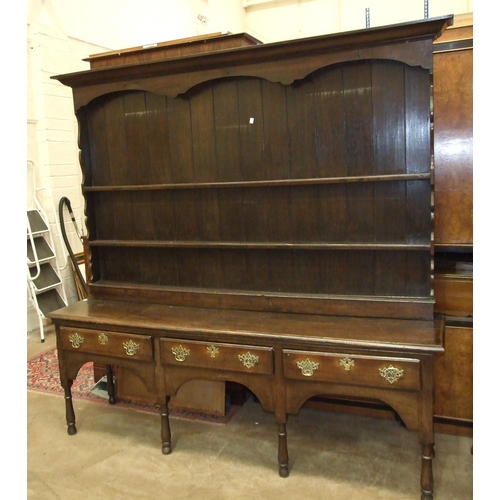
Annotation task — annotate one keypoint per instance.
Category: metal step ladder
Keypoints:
(45, 286)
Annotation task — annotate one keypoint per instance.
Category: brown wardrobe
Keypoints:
(453, 150)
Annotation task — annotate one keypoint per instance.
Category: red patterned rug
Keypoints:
(43, 377)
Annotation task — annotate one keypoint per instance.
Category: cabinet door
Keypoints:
(453, 144)
(453, 376)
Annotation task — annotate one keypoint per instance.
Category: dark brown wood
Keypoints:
(280, 61)
(175, 48)
(343, 305)
(110, 383)
(70, 412)
(453, 136)
(454, 294)
(135, 318)
(282, 451)
(236, 207)
(166, 438)
(454, 381)
(426, 430)
(263, 215)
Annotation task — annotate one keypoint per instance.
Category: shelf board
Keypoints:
(264, 183)
(343, 305)
(260, 245)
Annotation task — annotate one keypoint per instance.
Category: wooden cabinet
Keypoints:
(453, 135)
(264, 215)
(453, 407)
(453, 146)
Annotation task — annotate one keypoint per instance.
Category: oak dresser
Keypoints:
(263, 214)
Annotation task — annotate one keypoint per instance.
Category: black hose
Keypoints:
(65, 201)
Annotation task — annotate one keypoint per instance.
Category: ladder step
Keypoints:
(36, 222)
(47, 278)
(43, 250)
(49, 301)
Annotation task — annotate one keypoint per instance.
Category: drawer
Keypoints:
(453, 295)
(350, 369)
(121, 345)
(217, 356)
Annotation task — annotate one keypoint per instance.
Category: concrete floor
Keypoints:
(116, 455)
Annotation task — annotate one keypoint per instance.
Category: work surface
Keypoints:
(334, 331)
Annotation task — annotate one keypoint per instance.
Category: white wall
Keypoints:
(128, 23)
(61, 33)
(52, 168)
(276, 20)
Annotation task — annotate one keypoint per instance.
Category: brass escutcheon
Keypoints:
(347, 363)
(76, 340)
(390, 373)
(103, 338)
(131, 347)
(248, 359)
(307, 367)
(180, 353)
(212, 351)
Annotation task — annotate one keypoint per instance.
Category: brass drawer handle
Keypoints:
(76, 340)
(307, 367)
(248, 359)
(212, 351)
(390, 373)
(131, 347)
(103, 338)
(180, 353)
(347, 363)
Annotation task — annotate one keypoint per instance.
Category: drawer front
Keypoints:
(121, 345)
(453, 295)
(350, 369)
(217, 356)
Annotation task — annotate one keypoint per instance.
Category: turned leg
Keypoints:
(166, 438)
(70, 412)
(282, 451)
(426, 432)
(426, 479)
(110, 382)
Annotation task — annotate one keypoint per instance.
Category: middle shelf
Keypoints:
(252, 245)
(418, 176)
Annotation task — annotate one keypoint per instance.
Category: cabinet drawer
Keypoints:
(217, 356)
(453, 295)
(122, 345)
(350, 369)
